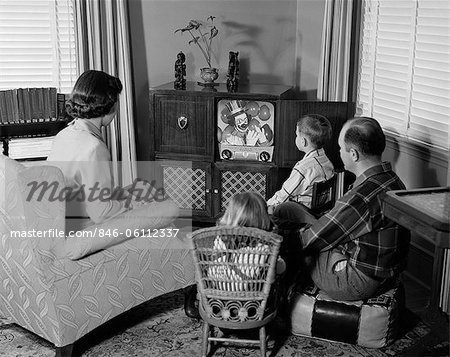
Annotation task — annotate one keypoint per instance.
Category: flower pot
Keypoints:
(209, 75)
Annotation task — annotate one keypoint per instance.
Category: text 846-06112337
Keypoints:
(138, 232)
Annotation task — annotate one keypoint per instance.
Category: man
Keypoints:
(357, 252)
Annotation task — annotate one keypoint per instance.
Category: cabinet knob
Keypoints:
(182, 122)
(207, 190)
(216, 190)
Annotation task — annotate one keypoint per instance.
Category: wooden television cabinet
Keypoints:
(191, 169)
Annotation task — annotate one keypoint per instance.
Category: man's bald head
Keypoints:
(365, 135)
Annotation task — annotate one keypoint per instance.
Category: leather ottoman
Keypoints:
(370, 323)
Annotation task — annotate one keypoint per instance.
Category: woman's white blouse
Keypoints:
(83, 157)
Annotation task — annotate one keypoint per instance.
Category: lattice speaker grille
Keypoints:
(237, 181)
(186, 187)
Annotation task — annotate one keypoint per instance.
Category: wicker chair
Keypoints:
(235, 269)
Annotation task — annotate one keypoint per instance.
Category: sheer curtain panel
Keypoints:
(340, 36)
(103, 44)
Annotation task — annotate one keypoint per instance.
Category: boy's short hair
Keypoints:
(366, 135)
(316, 128)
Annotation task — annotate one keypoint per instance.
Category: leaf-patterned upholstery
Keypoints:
(60, 299)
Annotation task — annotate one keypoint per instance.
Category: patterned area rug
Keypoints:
(160, 328)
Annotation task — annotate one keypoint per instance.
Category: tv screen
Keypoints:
(245, 130)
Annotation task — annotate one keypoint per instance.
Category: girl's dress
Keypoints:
(236, 269)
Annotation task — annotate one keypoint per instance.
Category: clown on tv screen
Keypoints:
(245, 130)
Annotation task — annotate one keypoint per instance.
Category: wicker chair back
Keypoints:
(235, 271)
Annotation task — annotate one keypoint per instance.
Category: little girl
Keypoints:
(248, 209)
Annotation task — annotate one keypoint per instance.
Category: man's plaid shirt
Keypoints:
(357, 228)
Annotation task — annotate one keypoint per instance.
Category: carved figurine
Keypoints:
(180, 71)
(233, 71)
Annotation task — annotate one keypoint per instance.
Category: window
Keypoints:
(37, 44)
(404, 74)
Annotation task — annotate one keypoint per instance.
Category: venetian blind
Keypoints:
(37, 44)
(404, 74)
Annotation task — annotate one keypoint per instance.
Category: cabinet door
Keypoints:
(184, 127)
(291, 110)
(188, 184)
(232, 178)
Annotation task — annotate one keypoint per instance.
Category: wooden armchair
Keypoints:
(325, 194)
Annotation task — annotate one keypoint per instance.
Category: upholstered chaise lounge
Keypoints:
(62, 288)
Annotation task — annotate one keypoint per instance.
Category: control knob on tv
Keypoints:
(264, 156)
(226, 154)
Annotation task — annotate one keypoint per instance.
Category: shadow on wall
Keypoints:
(394, 147)
(190, 65)
(415, 158)
(302, 94)
(299, 94)
(249, 39)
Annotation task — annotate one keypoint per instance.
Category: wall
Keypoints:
(278, 41)
(417, 165)
(309, 39)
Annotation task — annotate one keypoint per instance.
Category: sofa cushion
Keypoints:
(133, 223)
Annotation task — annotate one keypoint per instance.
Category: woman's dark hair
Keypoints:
(316, 128)
(366, 135)
(93, 95)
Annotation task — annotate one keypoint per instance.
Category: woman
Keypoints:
(81, 153)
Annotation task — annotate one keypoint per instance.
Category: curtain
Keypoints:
(339, 50)
(448, 162)
(103, 44)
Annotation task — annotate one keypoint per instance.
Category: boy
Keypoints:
(312, 131)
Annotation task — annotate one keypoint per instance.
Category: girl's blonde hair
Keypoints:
(247, 209)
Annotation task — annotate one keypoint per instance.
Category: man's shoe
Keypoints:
(191, 302)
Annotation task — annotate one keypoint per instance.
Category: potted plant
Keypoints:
(202, 34)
